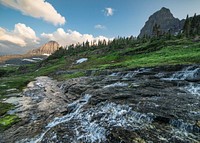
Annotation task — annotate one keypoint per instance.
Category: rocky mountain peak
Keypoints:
(164, 9)
(47, 48)
(163, 12)
(165, 19)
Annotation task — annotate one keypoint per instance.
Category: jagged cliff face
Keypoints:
(47, 48)
(165, 19)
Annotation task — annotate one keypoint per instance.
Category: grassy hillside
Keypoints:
(121, 53)
(140, 54)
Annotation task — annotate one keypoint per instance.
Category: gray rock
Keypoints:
(165, 19)
(195, 76)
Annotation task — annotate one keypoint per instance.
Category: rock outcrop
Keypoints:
(165, 19)
(47, 48)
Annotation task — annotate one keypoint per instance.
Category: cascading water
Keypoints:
(93, 124)
(189, 73)
(193, 88)
(118, 84)
(77, 106)
(130, 74)
(96, 121)
(185, 127)
(185, 131)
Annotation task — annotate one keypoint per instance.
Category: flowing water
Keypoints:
(118, 84)
(185, 131)
(76, 109)
(130, 74)
(186, 73)
(190, 73)
(93, 124)
(193, 88)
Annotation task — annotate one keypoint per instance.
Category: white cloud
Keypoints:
(21, 35)
(99, 26)
(37, 9)
(71, 37)
(109, 11)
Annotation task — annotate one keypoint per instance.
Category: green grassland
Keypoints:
(147, 54)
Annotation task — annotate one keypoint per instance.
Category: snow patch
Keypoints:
(29, 60)
(45, 54)
(81, 60)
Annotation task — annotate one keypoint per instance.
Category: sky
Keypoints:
(27, 24)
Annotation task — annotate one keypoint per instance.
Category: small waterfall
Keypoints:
(92, 125)
(130, 74)
(185, 127)
(190, 73)
(116, 74)
(95, 122)
(77, 105)
(193, 89)
(185, 131)
(118, 84)
(58, 120)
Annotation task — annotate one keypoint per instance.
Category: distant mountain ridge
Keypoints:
(47, 48)
(166, 22)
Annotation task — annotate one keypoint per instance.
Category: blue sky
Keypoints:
(75, 19)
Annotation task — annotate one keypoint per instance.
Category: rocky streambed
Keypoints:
(136, 106)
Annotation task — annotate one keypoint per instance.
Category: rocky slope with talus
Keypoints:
(47, 48)
(165, 19)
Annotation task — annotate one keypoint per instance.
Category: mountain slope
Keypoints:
(163, 18)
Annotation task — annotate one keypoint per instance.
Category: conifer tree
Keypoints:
(186, 27)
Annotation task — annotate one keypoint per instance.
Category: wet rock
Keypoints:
(120, 135)
(77, 89)
(161, 119)
(195, 76)
(139, 105)
(198, 123)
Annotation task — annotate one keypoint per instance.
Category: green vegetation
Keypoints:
(7, 121)
(4, 107)
(134, 53)
(69, 76)
(191, 27)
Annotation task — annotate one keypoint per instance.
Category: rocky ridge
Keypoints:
(165, 19)
(47, 48)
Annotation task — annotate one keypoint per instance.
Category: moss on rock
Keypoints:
(7, 121)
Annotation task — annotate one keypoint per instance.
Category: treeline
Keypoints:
(117, 43)
(191, 27)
